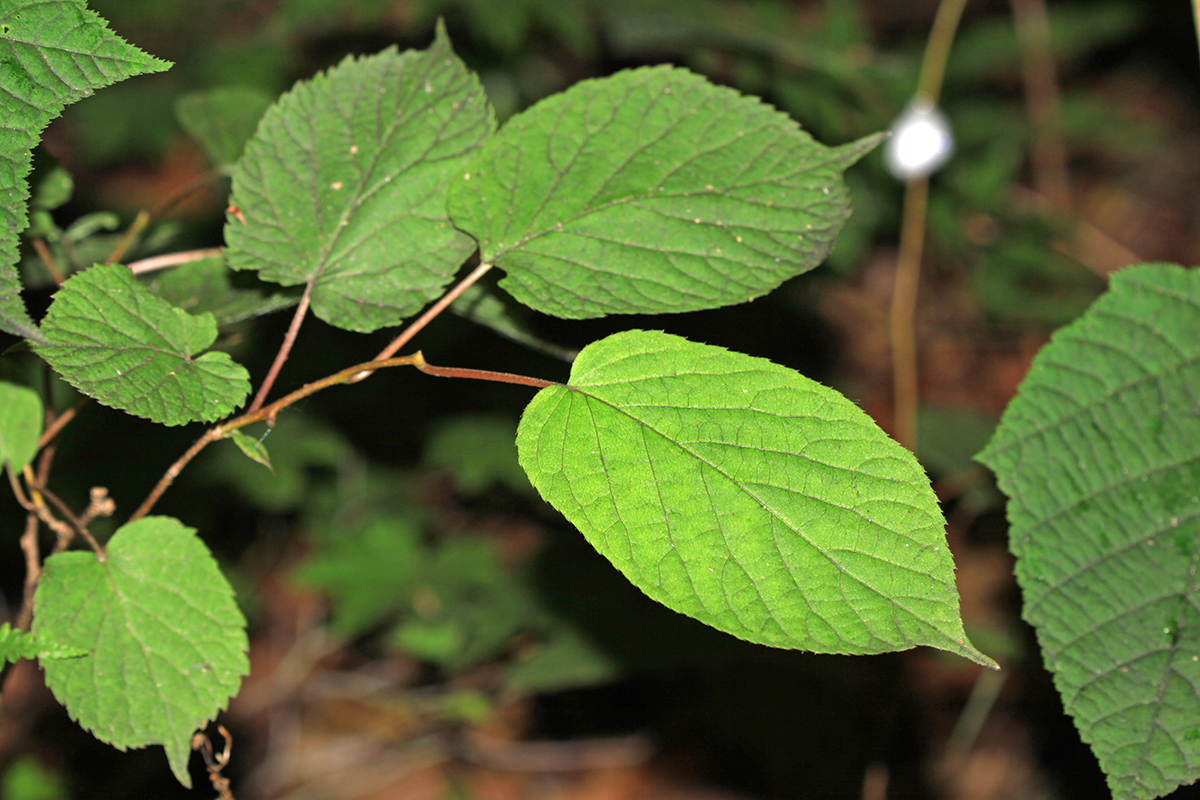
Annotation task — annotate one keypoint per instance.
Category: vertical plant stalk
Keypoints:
(285, 349)
(1049, 156)
(912, 237)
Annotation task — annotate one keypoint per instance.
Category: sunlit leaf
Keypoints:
(651, 191)
(747, 496)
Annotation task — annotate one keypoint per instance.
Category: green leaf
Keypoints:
(253, 448)
(167, 642)
(114, 341)
(651, 191)
(478, 450)
(52, 53)
(483, 307)
(222, 120)
(1099, 454)
(747, 496)
(21, 421)
(15, 644)
(355, 205)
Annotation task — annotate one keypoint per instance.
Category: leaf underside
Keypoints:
(343, 185)
(53, 52)
(651, 191)
(118, 343)
(747, 496)
(166, 642)
(1099, 455)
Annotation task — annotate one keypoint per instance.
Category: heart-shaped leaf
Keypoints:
(166, 643)
(113, 340)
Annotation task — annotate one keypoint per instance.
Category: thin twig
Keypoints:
(68, 515)
(173, 259)
(284, 350)
(904, 310)
(55, 427)
(48, 259)
(126, 241)
(266, 413)
(420, 322)
(912, 236)
(1049, 155)
(33, 570)
(485, 375)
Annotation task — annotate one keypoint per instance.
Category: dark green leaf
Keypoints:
(747, 496)
(1100, 456)
(651, 191)
(254, 449)
(114, 341)
(206, 285)
(52, 53)
(343, 185)
(166, 640)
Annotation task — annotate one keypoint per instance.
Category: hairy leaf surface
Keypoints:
(1099, 455)
(651, 191)
(747, 496)
(343, 186)
(113, 340)
(21, 423)
(52, 53)
(166, 642)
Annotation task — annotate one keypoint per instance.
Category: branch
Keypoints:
(173, 259)
(284, 350)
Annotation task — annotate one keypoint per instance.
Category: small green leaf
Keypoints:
(1099, 455)
(15, 644)
(254, 449)
(222, 120)
(651, 191)
(747, 496)
(167, 642)
(113, 340)
(21, 421)
(52, 53)
(478, 451)
(343, 186)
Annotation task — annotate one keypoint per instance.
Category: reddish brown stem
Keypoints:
(485, 375)
(284, 351)
(420, 322)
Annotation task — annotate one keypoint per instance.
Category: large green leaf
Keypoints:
(651, 191)
(21, 423)
(166, 642)
(343, 185)
(52, 53)
(747, 496)
(1099, 454)
(113, 340)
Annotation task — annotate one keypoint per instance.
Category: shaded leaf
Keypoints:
(1099, 454)
(747, 496)
(479, 451)
(222, 120)
(167, 643)
(206, 285)
(53, 52)
(116, 342)
(479, 305)
(651, 191)
(343, 185)
(21, 421)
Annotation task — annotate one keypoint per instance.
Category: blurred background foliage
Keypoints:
(421, 622)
